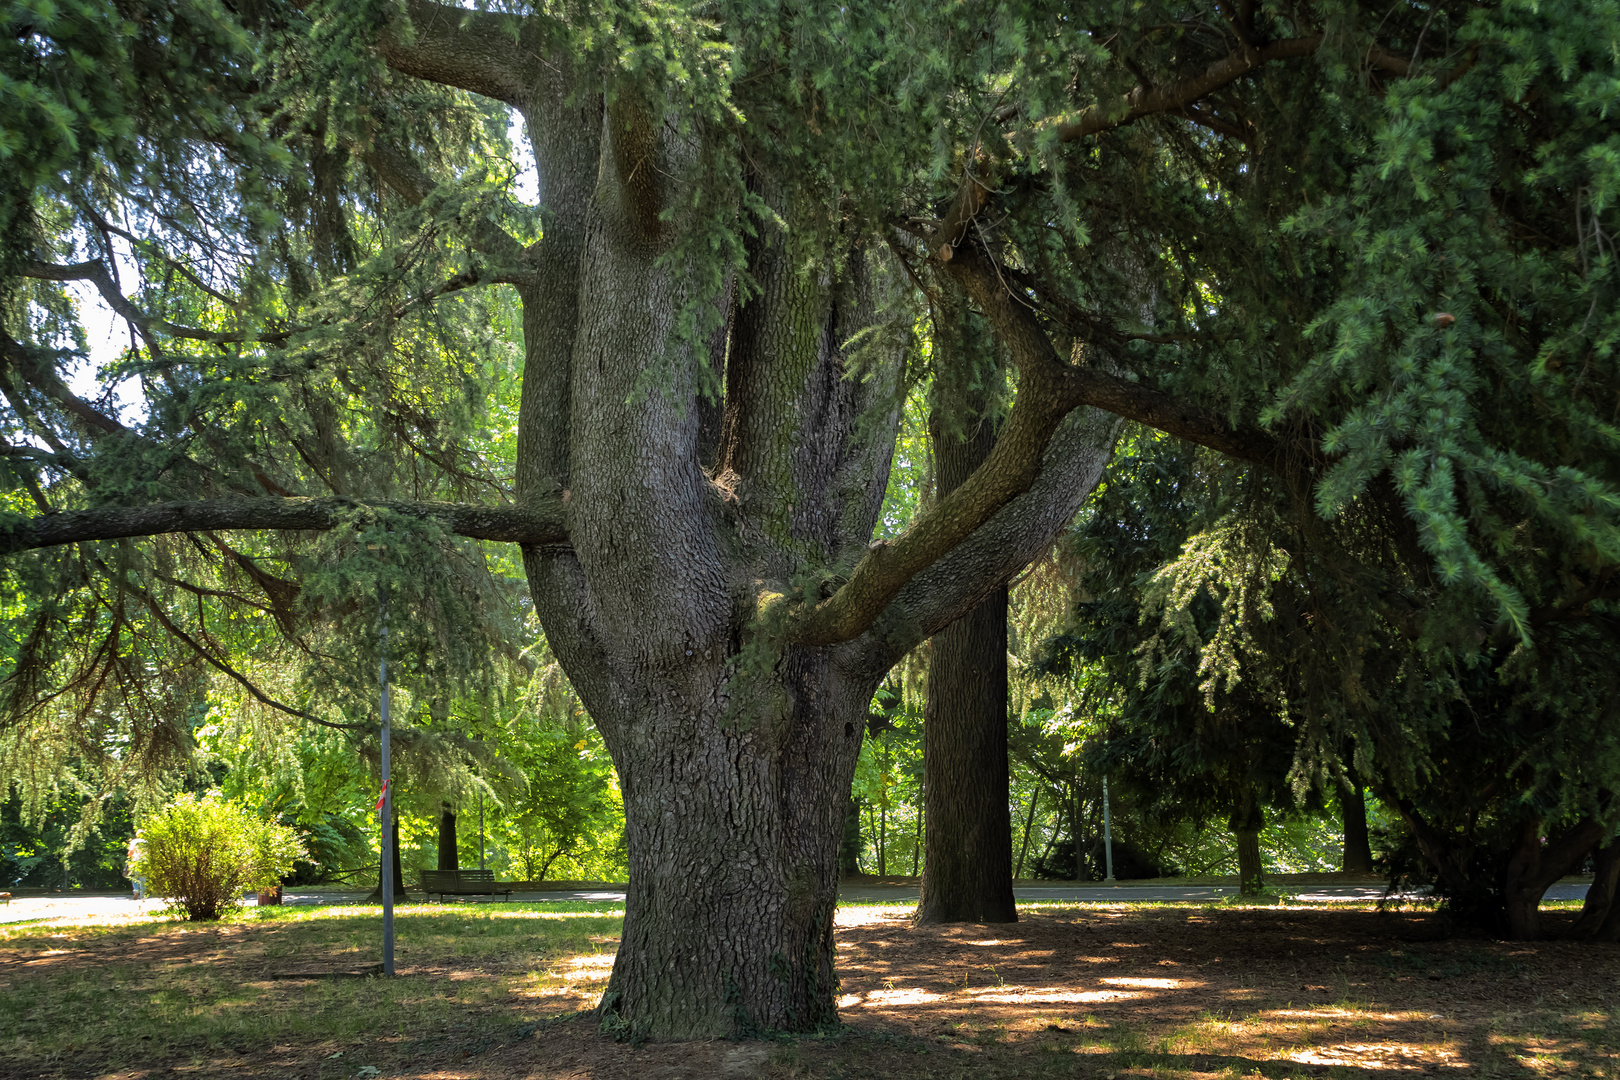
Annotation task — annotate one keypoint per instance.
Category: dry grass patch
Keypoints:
(491, 992)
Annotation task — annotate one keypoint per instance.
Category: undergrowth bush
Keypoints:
(202, 853)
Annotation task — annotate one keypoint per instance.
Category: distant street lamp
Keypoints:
(1108, 835)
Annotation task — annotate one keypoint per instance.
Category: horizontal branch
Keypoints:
(1145, 100)
(510, 524)
(209, 657)
(485, 52)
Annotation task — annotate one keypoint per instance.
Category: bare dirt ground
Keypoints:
(1195, 992)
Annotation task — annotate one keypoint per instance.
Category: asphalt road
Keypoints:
(117, 907)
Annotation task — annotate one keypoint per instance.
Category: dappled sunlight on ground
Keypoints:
(1377, 1056)
(871, 914)
(1163, 994)
(889, 997)
(1298, 989)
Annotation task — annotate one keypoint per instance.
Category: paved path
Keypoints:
(118, 907)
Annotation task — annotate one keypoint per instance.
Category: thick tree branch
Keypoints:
(485, 52)
(1020, 533)
(1048, 391)
(42, 377)
(1011, 469)
(1175, 96)
(1016, 323)
(534, 525)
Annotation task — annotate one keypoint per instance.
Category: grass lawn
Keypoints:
(1163, 990)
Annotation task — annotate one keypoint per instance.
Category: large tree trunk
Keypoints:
(1532, 868)
(669, 606)
(1600, 914)
(967, 874)
(449, 857)
(733, 826)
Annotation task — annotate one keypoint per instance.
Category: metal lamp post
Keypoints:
(1108, 835)
(387, 805)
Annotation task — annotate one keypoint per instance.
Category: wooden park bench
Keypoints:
(462, 883)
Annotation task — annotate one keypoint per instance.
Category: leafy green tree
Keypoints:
(889, 785)
(1364, 252)
(54, 844)
(569, 814)
(1250, 656)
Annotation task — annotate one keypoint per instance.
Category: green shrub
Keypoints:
(202, 854)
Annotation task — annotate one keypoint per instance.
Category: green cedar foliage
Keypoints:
(1383, 259)
(289, 338)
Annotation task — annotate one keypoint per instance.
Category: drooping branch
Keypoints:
(413, 184)
(541, 523)
(219, 663)
(95, 271)
(1017, 324)
(18, 358)
(14, 356)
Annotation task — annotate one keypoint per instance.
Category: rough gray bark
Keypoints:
(967, 875)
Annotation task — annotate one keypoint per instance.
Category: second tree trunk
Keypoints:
(967, 868)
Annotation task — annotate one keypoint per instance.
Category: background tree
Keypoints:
(969, 870)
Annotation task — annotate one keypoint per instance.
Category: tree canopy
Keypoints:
(1364, 256)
